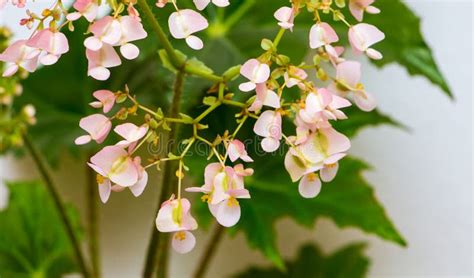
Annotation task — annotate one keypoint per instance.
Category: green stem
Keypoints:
(209, 252)
(58, 202)
(93, 231)
(158, 247)
(177, 62)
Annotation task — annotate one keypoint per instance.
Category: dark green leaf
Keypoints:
(33, 242)
(349, 261)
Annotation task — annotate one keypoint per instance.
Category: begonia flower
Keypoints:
(105, 100)
(101, 60)
(97, 126)
(362, 36)
(236, 150)
(86, 8)
(19, 55)
(348, 75)
(255, 72)
(268, 125)
(184, 23)
(285, 17)
(175, 216)
(131, 133)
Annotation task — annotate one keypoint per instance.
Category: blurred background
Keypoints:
(423, 176)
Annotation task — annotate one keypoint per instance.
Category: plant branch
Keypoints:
(58, 202)
(157, 253)
(93, 229)
(208, 255)
(177, 62)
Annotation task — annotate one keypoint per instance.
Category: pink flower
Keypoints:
(19, 55)
(98, 126)
(362, 36)
(295, 76)
(322, 34)
(236, 150)
(256, 72)
(347, 80)
(175, 216)
(53, 43)
(358, 7)
(285, 16)
(322, 105)
(265, 97)
(202, 4)
(86, 8)
(223, 186)
(268, 125)
(115, 164)
(101, 60)
(105, 100)
(2, 3)
(131, 133)
(106, 30)
(184, 23)
(132, 30)
(321, 151)
(106, 187)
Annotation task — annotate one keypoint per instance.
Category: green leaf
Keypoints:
(33, 242)
(404, 43)
(349, 261)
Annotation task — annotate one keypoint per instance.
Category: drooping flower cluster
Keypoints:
(315, 146)
(47, 43)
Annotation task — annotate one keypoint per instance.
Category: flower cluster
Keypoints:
(315, 147)
(47, 43)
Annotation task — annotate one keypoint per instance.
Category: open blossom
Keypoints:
(131, 30)
(105, 100)
(106, 30)
(322, 105)
(19, 55)
(268, 125)
(322, 34)
(285, 17)
(322, 150)
(358, 7)
(175, 216)
(348, 75)
(54, 43)
(265, 97)
(131, 134)
(236, 150)
(97, 126)
(106, 187)
(184, 23)
(255, 72)
(202, 4)
(86, 8)
(101, 60)
(223, 186)
(362, 36)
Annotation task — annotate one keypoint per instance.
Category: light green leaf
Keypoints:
(33, 242)
(349, 261)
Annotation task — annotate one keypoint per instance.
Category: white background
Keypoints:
(423, 177)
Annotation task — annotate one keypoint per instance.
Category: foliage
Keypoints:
(33, 242)
(311, 263)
